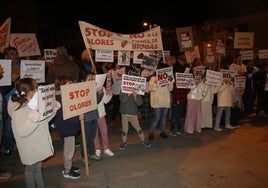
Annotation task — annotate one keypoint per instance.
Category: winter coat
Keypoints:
(68, 127)
(160, 95)
(33, 140)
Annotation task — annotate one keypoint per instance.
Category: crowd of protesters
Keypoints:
(191, 109)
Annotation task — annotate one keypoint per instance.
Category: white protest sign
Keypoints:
(33, 69)
(133, 83)
(46, 100)
(213, 78)
(5, 72)
(164, 76)
(183, 80)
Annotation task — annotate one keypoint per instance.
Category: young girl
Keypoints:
(32, 136)
(67, 129)
(102, 126)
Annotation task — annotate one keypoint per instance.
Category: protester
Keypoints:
(160, 102)
(178, 100)
(224, 103)
(67, 129)
(62, 66)
(129, 103)
(3, 174)
(102, 131)
(32, 136)
(9, 141)
(194, 97)
(91, 120)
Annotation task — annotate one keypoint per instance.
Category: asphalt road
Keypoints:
(228, 159)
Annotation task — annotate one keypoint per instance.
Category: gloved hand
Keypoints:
(34, 116)
(57, 105)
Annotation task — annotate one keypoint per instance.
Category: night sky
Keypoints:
(127, 17)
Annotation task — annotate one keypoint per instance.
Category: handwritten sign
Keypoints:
(46, 100)
(26, 44)
(213, 78)
(240, 82)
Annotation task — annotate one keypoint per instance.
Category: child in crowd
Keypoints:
(129, 114)
(32, 136)
(102, 126)
(90, 119)
(224, 103)
(67, 129)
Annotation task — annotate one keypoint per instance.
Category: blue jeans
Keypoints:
(34, 176)
(177, 112)
(9, 141)
(219, 114)
(90, 133)
(160, 116)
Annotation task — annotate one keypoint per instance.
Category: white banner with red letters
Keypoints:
(100, 39)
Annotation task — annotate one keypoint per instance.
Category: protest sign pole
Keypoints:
(84, 143)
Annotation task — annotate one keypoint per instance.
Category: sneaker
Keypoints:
(4, 174)
(229, 127)
(7, 152)
(146, 143)
(98, 152)
(217, 129)
(95, 157)
(76, 169)
(72, 175)
(73, 168)
(163, 135)
(123, 145)
(108, 152)
(181, 132)
(173, 133)
(151, 136)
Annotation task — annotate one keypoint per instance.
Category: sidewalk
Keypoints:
(230, 158)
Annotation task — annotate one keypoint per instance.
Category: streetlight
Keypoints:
(148, 25)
